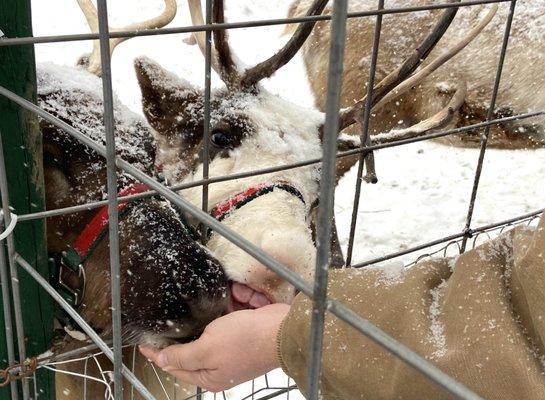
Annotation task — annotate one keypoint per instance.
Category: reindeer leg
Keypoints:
(337, 258)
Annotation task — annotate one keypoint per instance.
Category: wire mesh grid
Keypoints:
(112, 379)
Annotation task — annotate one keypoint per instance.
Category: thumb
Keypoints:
(149, 352)
(188, 357)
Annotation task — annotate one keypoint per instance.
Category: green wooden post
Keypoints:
(23, 153)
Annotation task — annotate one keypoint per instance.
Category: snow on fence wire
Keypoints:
(113, 381)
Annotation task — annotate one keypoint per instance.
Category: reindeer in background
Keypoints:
(92, 62)
(251, 129)
(521, 88)
(171, 286)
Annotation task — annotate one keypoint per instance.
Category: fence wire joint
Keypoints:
(18, 371)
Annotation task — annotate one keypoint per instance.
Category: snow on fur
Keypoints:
(75, 96)
(437, 336)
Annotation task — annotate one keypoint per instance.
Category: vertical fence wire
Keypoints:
(490, 116)
(206, 131)
(4, 279)
(4, 282)
(17, 308)
(113, 217)
(365, 136)
(327, 194)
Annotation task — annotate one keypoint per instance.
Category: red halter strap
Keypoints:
(100, 222)
(236, 201)
(71, 277)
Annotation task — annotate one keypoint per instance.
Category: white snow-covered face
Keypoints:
(248, 132)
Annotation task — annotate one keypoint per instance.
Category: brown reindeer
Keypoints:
(251, 129)
(171, 286)
(521, 88)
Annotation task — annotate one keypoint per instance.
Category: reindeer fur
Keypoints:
(171, 287)
(521, 88)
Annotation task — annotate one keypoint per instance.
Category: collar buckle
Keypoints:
(72, 277)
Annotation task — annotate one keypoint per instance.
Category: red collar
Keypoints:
(97, 226)
(236, 201)
(94, 229)
(71, 274)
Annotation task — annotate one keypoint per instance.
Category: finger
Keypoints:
(189, 357)
(188, 377)
(201, 379)
(149, 352)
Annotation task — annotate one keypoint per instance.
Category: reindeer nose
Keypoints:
(206, 309)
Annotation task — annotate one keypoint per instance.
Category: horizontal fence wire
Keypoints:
(342, 312)
(233, 25)
(264, 171)
(469, 233)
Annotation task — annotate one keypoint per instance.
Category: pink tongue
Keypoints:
(241, 293)
(259, 300)
(246, 295)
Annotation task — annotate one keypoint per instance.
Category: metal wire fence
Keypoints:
(318, 291)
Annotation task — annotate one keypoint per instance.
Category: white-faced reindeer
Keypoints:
(252, 129)
(521, 88)
(171, 286)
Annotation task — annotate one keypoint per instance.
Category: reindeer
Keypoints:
(251, 129)
(521, 85)
(171, 286)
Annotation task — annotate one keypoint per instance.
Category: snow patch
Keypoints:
(392, 273)
(437, 330)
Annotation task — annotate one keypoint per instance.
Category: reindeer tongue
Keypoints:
(244, 297)
(258, 300)
(241, 293)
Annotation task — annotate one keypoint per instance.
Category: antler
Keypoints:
(268, 67)
(351, 115)
(437, 121)
(223, 59)
(440, 60)
(90, 12)
(221, 42)
(401, 82)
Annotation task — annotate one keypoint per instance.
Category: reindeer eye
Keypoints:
(221, 139)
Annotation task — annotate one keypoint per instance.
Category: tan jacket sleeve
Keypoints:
(479, 317)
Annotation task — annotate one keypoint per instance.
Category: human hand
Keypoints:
(233, 349)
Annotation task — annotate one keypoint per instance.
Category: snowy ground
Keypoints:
(424, 188)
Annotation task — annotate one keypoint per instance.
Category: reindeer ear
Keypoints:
(165, 97)
(57, 187)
